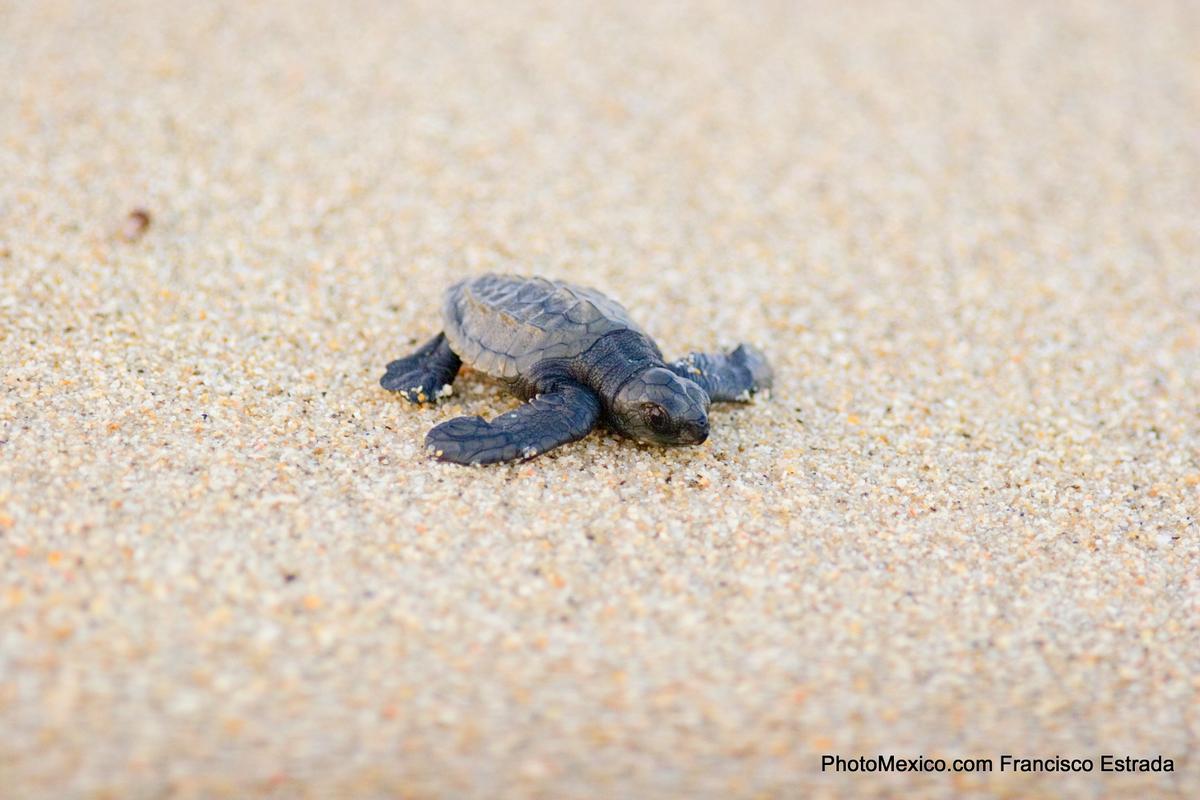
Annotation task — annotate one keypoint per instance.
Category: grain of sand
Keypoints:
(965, 524)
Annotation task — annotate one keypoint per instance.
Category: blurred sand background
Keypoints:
(964, 525)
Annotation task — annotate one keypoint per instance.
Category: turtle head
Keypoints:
(660, 407)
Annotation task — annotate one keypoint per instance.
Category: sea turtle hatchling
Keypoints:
(577, 358)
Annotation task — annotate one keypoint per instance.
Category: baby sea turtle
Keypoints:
(578, 359)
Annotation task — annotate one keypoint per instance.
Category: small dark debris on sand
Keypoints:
(135, 225)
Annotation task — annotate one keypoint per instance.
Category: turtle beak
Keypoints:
(694, 432)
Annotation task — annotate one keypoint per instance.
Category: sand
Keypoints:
(964, 524)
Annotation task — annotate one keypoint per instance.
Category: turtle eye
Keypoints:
(656, 415)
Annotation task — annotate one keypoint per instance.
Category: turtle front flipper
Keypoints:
(727, 377)
(564, 414)
(424, 376)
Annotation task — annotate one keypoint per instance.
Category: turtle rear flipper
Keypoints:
(424, 376)
(562, 415)
(727, 377)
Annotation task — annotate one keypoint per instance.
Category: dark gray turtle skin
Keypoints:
(578, 360)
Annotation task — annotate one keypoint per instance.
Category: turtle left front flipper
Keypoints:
(563, 414)
(727, 377)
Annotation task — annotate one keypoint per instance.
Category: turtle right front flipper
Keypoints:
(561, 415)
(727, 377)
(425, 375)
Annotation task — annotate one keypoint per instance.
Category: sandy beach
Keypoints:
(966, 523)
